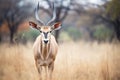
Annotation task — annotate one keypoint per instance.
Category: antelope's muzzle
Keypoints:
(45, 41)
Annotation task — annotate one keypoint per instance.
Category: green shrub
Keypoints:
(102, 33)
(29, 35)
(74, 33)
(64, 36)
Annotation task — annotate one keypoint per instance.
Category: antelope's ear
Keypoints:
(33, 25)
(56, 26)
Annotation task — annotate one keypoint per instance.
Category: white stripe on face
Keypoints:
(45, 32)
(46, 36)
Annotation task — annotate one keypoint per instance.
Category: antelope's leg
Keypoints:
(39, 68)
(46, 72)
(50, 70)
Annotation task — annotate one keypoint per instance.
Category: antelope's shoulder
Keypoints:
(53, 40)
(38, 38)
(37, 41)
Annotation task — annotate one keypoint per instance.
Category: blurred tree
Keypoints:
(14, 12)
(109, 13)
(113, 11)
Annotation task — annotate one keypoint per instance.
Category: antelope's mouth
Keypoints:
(45, 41)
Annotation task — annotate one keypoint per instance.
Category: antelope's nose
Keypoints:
(45, 41)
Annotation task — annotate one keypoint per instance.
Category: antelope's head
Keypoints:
(45, 29)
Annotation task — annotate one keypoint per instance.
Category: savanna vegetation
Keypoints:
(75, 61)
(88, 40)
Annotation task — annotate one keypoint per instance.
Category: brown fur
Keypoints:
(45, 54)
(45, 28)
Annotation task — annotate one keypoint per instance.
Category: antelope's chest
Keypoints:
(45, 54)
(45, 62)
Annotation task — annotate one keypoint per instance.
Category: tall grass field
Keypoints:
(74, 61)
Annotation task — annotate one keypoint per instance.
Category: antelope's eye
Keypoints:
(50, 31)
(40, 31)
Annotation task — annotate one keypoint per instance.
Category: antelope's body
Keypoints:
(45, 54)
(45, 46)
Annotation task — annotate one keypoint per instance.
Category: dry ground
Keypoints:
(75, 61)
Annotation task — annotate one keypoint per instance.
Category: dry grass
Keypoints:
(75, 61)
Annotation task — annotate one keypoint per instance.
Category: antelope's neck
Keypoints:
(45, 50)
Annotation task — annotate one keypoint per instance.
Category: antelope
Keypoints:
(45, 47)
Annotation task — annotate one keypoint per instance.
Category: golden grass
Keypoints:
(75, 61)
